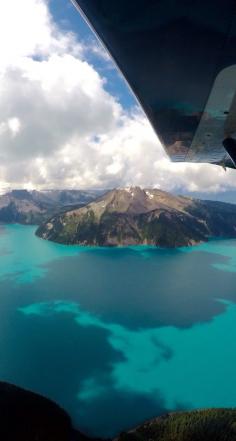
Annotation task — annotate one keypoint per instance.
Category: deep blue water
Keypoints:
(117, 336)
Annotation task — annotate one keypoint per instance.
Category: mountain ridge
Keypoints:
(33, 207)
(134, 216)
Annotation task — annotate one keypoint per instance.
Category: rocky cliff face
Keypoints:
(135, 216)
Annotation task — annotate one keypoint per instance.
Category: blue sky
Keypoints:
(70, 19)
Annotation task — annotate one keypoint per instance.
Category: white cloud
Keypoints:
(59, 127)
(14, 125)
(27, 30)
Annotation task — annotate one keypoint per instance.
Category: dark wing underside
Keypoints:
(179, 58)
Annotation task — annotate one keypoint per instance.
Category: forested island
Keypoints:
(135, 216)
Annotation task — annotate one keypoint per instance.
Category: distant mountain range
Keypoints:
(228, 196)
(34, 207)
(133, 216)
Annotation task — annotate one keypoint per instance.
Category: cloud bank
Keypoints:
(60, 128)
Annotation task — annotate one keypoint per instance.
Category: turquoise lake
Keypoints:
(117, 336)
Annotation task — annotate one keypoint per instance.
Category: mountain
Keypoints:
(34, 207)
(133, 216)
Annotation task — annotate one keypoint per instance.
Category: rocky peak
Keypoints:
(135, 200)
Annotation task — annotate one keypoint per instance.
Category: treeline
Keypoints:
(202, 425)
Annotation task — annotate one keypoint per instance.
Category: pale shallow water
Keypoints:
(117, 336)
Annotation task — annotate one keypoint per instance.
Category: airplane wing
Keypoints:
(179, 58)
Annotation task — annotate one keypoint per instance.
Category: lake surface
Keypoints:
(117, 336)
